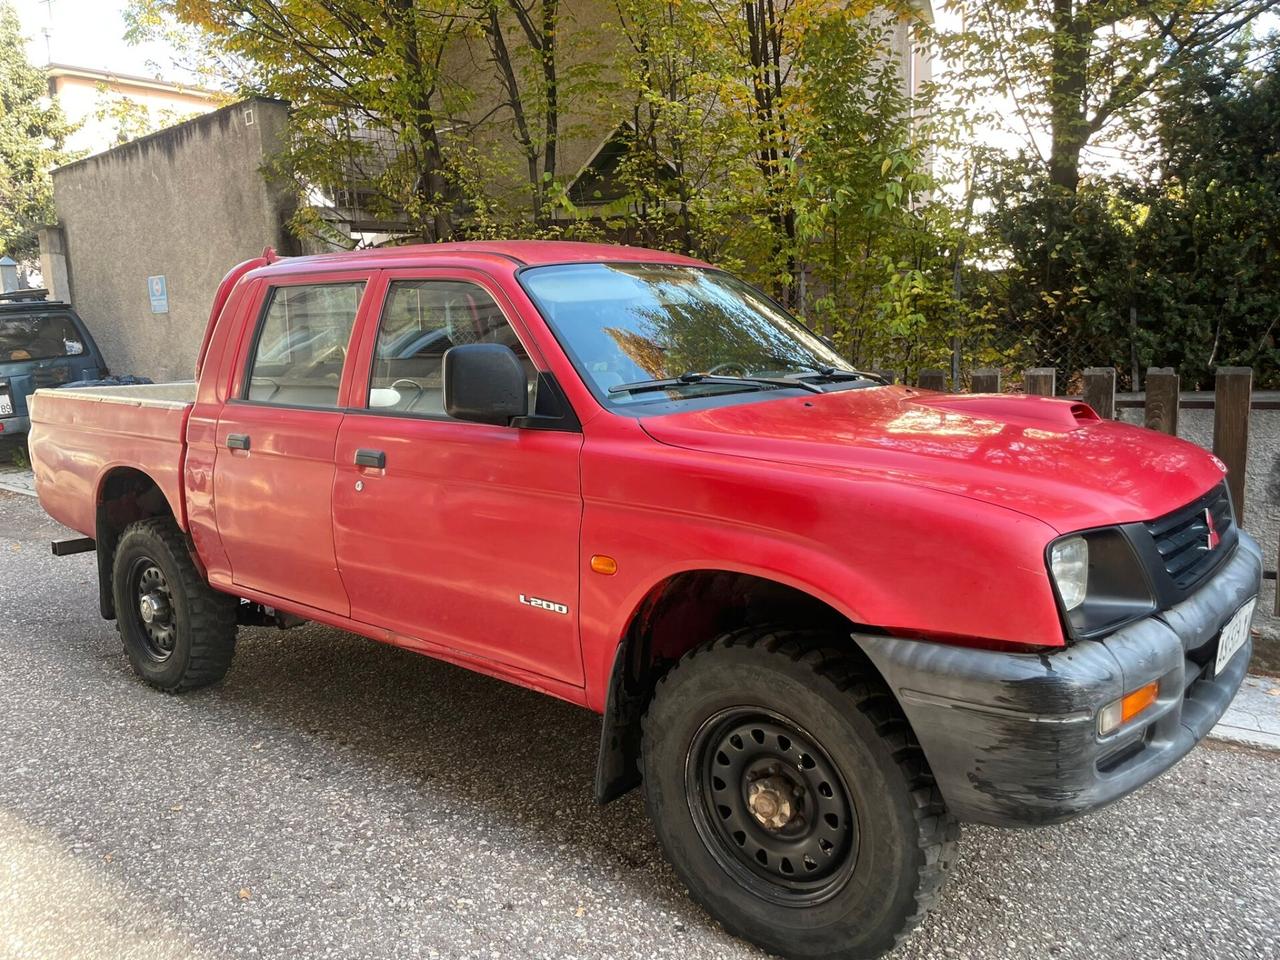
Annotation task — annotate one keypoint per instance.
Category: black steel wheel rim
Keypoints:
(771, 806)
(153, 611)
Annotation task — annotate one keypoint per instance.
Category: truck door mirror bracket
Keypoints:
(552, 410)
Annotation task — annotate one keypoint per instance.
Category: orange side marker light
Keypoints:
(1119, 712)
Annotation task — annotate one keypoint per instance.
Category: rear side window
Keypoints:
(302, 344)
(38, 336)
(422, 319)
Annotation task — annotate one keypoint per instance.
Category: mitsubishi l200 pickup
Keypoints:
(825, 619)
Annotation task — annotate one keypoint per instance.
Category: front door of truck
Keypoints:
(273, 471)
(461, 535)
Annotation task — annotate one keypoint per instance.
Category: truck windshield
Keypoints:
(644, 332)
(38, 336)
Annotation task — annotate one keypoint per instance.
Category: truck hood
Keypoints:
(1047, 458)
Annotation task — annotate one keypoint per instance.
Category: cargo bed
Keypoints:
(98, 428)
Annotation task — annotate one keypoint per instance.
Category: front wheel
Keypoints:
(788, 792)
(178, 632)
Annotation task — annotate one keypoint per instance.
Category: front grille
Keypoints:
(1188, 544)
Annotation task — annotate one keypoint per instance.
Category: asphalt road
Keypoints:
(336, 798)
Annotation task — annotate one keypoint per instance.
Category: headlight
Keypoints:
(1100, 582)
(1069, 561)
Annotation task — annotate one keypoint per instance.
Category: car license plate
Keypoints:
(6, 405)
(1233, 635)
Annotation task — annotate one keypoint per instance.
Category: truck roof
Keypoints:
(519, 252)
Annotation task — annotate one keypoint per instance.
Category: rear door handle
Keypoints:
(371, 458)
(237, 441)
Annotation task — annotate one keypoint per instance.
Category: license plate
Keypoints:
(1233, 635)
(6, 405)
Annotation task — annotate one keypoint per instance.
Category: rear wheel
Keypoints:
(178, 632)
(788, 791)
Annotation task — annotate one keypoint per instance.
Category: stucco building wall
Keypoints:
(187, 204)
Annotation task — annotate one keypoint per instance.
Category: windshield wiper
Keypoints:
(690, 379)
(834, 375)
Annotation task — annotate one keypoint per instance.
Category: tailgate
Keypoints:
(78, 436)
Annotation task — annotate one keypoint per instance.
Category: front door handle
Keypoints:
(371, 458)
(237, 441)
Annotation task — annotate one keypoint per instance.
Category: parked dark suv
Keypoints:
(43, 343)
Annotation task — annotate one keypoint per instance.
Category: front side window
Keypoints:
(39, 336)
(421, 320)
(631, 324)
(302, 344)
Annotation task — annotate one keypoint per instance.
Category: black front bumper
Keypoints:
(1013, 738)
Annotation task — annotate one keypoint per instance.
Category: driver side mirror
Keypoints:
(484, 383)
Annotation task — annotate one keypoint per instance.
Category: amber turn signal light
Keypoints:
(602, 564)
(1119, 712)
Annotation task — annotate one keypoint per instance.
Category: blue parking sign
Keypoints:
(158, 289)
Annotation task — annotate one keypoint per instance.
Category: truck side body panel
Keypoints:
(79, 437)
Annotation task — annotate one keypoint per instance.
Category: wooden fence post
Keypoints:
(985, 381)
(1041, 381)
(1100, 391)
(1232, 396)
(932, 380)
(1160, 412)
(890, 375)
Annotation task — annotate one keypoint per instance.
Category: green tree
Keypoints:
(1180, 268)
(386, 100)
(365, 82)
(32, 132)
(1074, 78)
(1076, 73)
(685, 148)
(1208, 254)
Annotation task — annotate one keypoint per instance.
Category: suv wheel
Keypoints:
(788, 792)
(178, 632)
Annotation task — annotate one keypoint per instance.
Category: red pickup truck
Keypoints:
(825, 618)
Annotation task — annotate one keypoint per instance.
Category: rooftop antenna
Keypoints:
(47, 30)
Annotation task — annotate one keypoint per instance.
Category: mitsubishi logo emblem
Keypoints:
(1212, 537)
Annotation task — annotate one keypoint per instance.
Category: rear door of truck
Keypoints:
(463, 535)
(273, 472)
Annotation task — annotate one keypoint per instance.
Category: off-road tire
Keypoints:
(905, 837)
(203, 619)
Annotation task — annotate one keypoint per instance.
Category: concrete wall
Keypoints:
(187, 203)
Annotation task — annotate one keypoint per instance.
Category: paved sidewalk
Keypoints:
(1253, 718)
(14, 478)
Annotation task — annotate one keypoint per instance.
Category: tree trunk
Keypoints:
(550, 35)
(502, 58)
(1068, 85)
(764, 51)
(434, 222)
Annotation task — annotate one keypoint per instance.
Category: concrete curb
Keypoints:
(1253, 718)
(17, 479)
